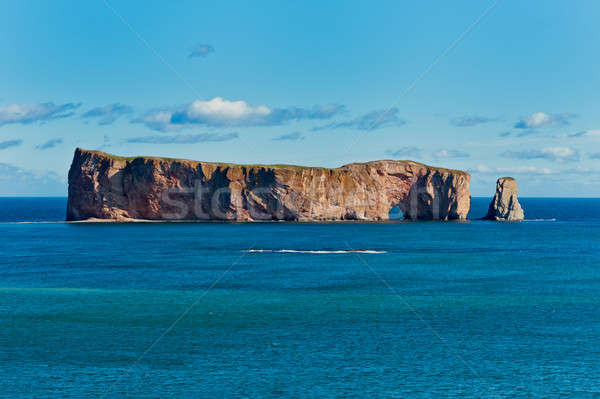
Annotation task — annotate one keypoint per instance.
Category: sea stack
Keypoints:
(109, 187)
(505, 205)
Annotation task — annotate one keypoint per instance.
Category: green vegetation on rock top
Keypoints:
(283, 166)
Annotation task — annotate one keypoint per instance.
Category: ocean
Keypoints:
(270, 310)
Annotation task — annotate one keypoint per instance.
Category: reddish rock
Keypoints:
(105, 186)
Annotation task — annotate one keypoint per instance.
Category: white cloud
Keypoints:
(445, 153)
(558, 154)
(581, 170)
(29, 113)
(518, 170)
(221, 112)
(108, 113)
(542, 119)
(17, 181)
(587, 133)
(158, 120)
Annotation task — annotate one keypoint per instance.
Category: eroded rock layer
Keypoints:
(105, 186)
(505, 205)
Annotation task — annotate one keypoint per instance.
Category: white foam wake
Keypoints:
(540, 220)
(320, 251)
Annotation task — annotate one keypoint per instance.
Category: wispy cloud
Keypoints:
(504, 134)
(30, 113)
(405, 152)
(294, 136)
(109, 113)
(581, 171)
(158, 120)
(446, 153)
(518, 170)
(49, 144)
(201, 50)
(184, 138)
(586, 133)
(10, 143)
(280, 115)
(542, 119)
(367, 122)
(221, 112)
(556, 154)
(471, 120)
(17, 181)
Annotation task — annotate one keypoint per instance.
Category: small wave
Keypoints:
(319, 251)
(540, 220)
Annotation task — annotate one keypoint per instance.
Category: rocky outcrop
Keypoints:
(105, 186)
(505, 205)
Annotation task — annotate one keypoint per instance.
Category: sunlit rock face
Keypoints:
(104, 186)
(505, 205)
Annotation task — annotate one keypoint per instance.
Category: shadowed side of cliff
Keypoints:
(109, 187)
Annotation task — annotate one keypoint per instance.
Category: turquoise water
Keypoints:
(441, 310)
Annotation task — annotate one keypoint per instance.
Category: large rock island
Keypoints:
(104, 186)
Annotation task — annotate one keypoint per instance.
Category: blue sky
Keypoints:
(313, 83)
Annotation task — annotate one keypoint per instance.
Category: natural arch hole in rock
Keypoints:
(396, 214)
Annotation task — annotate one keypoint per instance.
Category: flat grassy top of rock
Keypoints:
(283, 166)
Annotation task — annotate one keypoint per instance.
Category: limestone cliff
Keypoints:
(505, 205)
(105, 186)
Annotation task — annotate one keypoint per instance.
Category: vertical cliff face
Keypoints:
(105, 186)
(505, 205)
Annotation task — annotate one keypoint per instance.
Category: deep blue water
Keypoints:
(446, 310)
